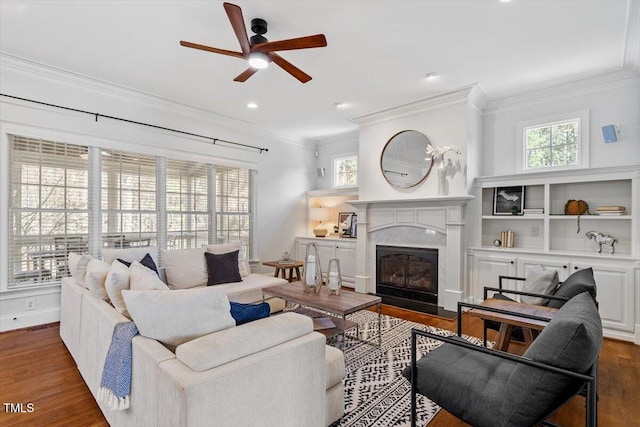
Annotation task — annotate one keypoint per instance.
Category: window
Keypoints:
(554, 144)
(187, 204)
(74, 198)
(48, 209)
(129, 212)
(345, 171)
(235, 207)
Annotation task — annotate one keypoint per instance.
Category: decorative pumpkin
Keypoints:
(576, 207)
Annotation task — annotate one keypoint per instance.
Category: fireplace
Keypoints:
(407, 277)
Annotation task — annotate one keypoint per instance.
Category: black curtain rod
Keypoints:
(96, 115)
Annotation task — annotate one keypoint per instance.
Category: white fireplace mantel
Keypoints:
(444, 215)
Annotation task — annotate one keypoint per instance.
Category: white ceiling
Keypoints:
(377, 55)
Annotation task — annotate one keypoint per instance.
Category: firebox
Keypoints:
(407, 277)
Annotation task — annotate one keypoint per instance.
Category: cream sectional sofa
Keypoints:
(274, 371)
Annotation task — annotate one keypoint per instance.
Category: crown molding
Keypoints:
(469, 94)
(41, 71)
(631, 55)
(610, 80)
(340, 139)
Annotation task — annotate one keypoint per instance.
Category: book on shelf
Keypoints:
(535, 211)
(611, 213)
(610, 208)
(507, 239)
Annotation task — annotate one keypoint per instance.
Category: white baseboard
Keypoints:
(622, 336)
(636, 338)
(29, 318)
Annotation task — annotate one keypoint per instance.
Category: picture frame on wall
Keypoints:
(508, 200)
(345, 224)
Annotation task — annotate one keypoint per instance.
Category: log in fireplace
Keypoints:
(407, 277)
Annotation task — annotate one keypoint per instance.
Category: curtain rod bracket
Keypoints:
(97, 117)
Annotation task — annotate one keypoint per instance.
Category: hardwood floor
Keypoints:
(36, 368)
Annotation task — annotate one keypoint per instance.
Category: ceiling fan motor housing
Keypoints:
(259, 26)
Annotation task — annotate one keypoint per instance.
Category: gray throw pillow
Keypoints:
(539, 281)
(572, 340)
(578, 282)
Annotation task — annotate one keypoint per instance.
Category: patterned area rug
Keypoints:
(376, 394)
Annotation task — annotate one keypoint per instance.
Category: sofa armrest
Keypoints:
(501, 291)
(224, 346)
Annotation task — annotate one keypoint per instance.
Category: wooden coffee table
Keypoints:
(339, 307)
(530, 327)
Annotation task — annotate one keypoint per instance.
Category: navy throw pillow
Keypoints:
(147, 261)
(222, 268)
(244, 313)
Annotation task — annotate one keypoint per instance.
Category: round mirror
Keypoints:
(404, 160)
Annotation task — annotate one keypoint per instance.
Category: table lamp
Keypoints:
(319, 214)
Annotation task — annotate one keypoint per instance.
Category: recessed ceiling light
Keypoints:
(504, 1)
(252, 105)
(430, 76)
(339, 105)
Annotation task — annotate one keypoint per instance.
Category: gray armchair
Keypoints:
(490, 388)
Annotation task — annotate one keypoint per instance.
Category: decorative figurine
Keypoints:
(602, 238)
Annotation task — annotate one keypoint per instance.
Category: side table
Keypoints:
(282, 267)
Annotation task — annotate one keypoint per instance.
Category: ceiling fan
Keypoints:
(258, 51)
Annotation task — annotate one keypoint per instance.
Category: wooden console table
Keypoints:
(530, 327)
(281, 268)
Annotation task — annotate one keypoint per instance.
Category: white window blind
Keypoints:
(48, 209)
(128, 198)
(235, 207)
(187, 204)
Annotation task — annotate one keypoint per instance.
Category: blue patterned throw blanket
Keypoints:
(115, 386)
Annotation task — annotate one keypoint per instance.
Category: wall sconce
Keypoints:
(319, 214)
(610, 133)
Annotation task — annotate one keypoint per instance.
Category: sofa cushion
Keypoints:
(142, 278)
(95, 278)
(185, 268)
(222, 268)
(335, 365)
(578, 282)
(147, 261)
(117, 280)
(245, 313)
(539, 281)
(223, 248)
(213, 350)
(77, 264)
(130, 254)
(175, 317)
(572, 340)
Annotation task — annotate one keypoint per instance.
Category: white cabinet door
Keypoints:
(346, 253)
(487, 268)
(526, 264)
(615, 294)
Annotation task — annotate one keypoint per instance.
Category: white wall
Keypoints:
(611, 99)
(285, 172)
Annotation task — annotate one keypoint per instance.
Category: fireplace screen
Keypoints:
(407, 273)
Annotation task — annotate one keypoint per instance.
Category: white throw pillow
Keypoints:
(539, 281)
(142, 278)
(130, 254)
(77, 265)
(95, 278)
(175, 317)
(117, 281)
(185, 268)
(223, 248)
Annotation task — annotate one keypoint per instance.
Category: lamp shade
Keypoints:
(319, 214)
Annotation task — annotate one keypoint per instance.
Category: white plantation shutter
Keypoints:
(234, 207)
(187, 193)
(128, 198)
(48, 209)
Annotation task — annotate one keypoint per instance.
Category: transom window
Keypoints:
(345, 171)
(555, 143)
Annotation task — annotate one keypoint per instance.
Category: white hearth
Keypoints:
(434, 222)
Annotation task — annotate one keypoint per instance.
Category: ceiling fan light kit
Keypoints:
(258, 51)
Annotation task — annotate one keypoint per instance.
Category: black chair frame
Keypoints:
(590, 379)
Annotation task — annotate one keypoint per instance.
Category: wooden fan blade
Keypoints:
(212, 49)
(246, 74)
(289, 67)
(307, 42)
(237, 22)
